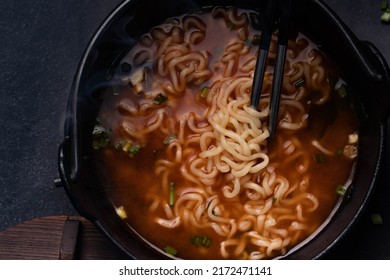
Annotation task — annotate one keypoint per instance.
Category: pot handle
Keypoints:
(353, 43)
(379, 62)
(67, 183)
(384, 67)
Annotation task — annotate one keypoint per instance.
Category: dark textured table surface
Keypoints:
(41, 44)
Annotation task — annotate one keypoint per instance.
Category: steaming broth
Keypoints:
(189, 161)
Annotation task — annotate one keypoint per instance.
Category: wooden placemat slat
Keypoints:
(46, 238)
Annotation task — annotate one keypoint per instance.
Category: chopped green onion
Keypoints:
(340, 190)
(126, 147)
(203, 241)
(100, 143)
(274, 199)
(171, 194)
(319, 158)
(229, 25)
(206, 241)
(342, 91)
(100, 138)
(204, 92)
(299, 83)
(121, 212)
(384, 5)
(170, 250)
(119, 144)
(169, 139)
(134, 150)
(195, 240)
(376, 219)
(160, 99)
(385, 17)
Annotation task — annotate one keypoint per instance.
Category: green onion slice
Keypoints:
(385, 17)
(341, 88)
(171, 194)
(340, 190)
(204, 92)
(100, 138)
(134, 149)
(170, 250)
(131, 149)
(126, 147)
(119, 144)
(376, 219)
(342, 91)
(201, 240)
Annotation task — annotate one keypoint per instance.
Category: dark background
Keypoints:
(41, 43)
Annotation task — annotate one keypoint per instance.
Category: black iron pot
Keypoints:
(363, 67)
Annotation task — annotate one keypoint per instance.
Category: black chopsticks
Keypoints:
(277, 12)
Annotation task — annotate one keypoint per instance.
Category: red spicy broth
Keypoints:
(189, 165)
